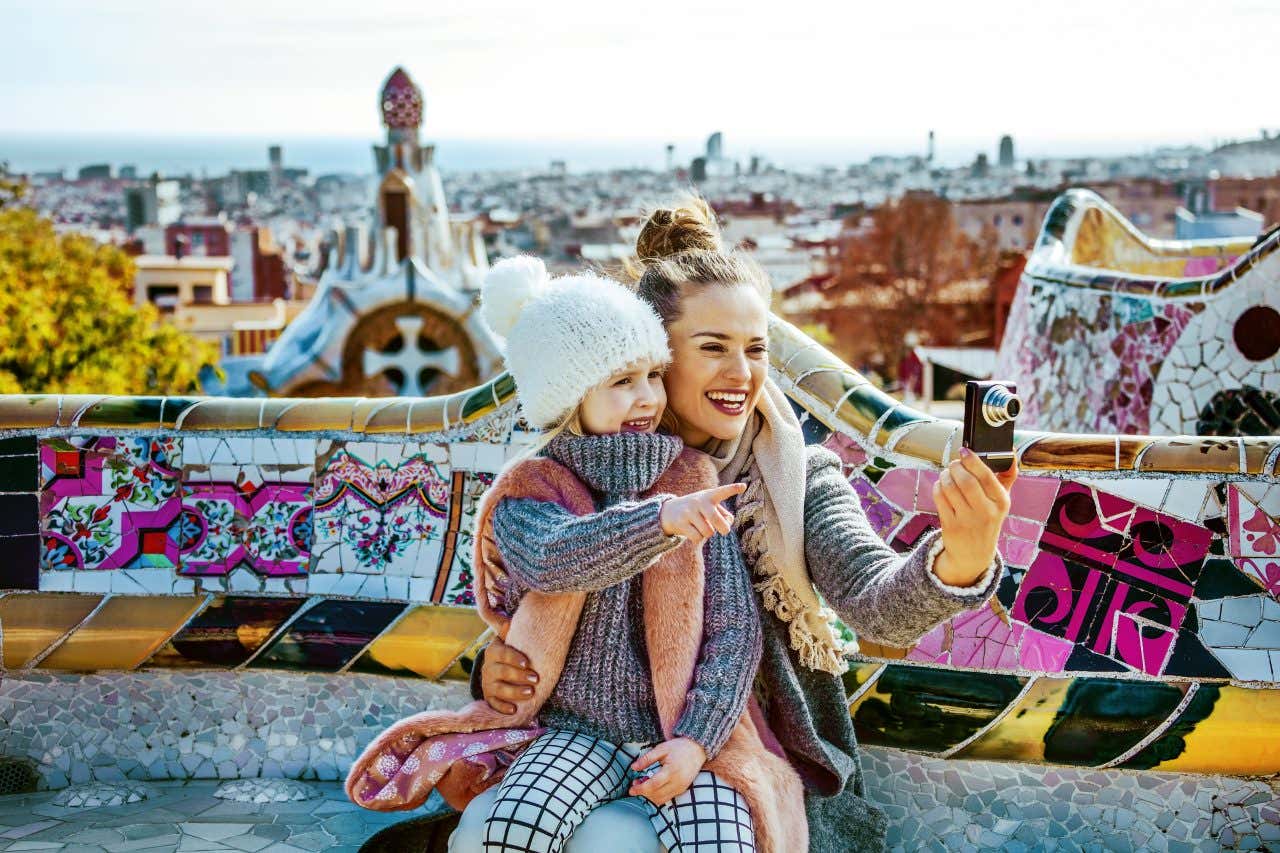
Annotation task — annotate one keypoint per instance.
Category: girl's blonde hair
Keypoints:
(571, 424)
(680, 247)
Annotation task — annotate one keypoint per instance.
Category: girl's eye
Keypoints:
(626, 380)
(655, 374)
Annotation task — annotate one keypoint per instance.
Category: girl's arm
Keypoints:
(882, 595)
(549, 549)
(730, 652)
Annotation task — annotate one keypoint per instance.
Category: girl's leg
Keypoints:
(710, 816)
(621, 826)
(468, 837)
(549, 790)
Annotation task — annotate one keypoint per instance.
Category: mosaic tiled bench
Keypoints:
(1112, 331)
(225, 539)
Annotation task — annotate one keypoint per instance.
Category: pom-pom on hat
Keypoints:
(565, 335)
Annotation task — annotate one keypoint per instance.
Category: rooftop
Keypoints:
(159, 262)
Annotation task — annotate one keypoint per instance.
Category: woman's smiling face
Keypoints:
(720, 360)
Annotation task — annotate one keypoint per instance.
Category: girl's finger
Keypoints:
(723, 493)
(718, 524)
(726, 515)
(649, 758)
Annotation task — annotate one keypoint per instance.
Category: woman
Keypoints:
(801, 526)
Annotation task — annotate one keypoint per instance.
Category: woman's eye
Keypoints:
(759, 351)
(713, 348)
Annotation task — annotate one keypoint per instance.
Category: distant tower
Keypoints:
(715, 143)
(698, 170)
(275, 154)
(1006, 152)
(929, 156)
(411, 195)
(671, 157)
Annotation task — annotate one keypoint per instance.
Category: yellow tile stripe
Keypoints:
(427, 640)
(32, 622)
(123, 633)
(1241, 736)
(1019, 736)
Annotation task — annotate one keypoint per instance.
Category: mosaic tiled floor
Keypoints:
(968, 806)
(185, 816)
(945, 806)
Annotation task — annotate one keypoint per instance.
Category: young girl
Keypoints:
(647, 653)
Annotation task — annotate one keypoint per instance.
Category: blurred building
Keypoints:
(1211, 224)
(95, 172)
(155, 203)
(1261, 195)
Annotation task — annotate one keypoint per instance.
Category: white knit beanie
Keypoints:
(565, 335)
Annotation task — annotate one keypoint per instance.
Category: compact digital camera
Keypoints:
(990, 408)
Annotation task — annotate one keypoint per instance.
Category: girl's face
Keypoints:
(630, 400)
(720, 360)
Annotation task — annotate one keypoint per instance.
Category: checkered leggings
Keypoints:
(548, 791)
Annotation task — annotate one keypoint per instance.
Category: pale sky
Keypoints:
(1113, 71)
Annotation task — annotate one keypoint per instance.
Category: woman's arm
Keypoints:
(882, 595)
(730, 652)
(547, 548)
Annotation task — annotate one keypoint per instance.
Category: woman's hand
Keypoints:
(506, 677)
(699, 516)
(681, 760)
(972, 504)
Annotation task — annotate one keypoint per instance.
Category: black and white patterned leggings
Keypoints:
(563, 775)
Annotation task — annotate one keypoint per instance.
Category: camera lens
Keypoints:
(1000, 406)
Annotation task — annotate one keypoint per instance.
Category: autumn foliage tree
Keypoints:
(69, 326)
(909, 268)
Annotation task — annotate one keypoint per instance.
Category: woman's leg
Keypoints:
(710, 816)
(621, 826)
(548, 791)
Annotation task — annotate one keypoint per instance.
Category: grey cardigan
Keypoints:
(882, 595)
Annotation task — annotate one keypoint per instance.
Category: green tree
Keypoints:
(69, 326)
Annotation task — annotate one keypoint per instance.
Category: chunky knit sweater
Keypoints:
(606, 687)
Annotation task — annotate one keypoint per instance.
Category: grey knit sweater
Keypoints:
(606, 688)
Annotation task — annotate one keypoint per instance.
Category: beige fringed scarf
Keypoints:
(769, 457)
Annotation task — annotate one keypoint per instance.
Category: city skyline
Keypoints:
(504, 71)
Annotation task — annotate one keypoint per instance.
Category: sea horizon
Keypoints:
(211, 156)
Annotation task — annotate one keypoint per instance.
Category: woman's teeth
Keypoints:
(729, 402)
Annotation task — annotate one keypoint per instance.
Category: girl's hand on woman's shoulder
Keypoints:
(972, 502)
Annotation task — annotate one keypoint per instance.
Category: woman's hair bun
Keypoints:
(689, 226)
(507, 288)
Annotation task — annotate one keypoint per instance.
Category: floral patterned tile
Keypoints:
(110, 503)
(381, 508)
